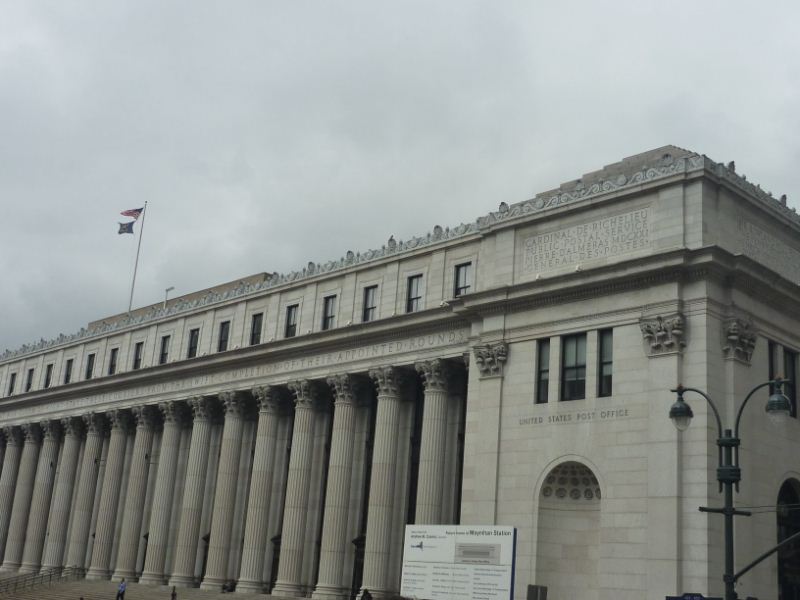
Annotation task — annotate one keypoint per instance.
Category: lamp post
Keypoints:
(728, 472)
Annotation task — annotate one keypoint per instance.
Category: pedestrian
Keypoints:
(365, 595)
(121, 589)
(174, 594)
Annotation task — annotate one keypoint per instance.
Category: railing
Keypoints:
(18, 583)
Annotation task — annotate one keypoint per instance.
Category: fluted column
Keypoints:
(433, 446)
(109, 499)
(42, 493)
(135, 496)
(193, 494)
(337, 497)
(381, 494)
(62, 494)
(255, 532)
(84, 499)
(225, 495)
(8, 479)
(289, 582)
(174, 414)
(22, 498)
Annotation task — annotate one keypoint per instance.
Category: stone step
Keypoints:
(106, 590)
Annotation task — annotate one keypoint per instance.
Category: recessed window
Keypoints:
(48, 375)
(68, 371)
(605, 360)
(255, 328)
(29, 380)
(138, 350)
(194, 340)
(291, 321)
(414, 294)
(224, 333)
(370, 310)
(12, 382)
(89, 367)
(463, 279)
(573, 367)
(542, 371)
(790, 373)
(163, 354)
(112, 361)
(328, 312)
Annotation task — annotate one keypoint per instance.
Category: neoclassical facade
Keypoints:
(280, 431)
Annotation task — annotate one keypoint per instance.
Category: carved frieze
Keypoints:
(663, 335)
(739, 339)
(490, 358)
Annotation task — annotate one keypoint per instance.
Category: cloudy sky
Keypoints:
(266, 134)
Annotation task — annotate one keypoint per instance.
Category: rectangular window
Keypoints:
(605, 362)
(194, 340)
(255, 328)
(89, 367)
(11, 383)
(112, 361)
(138, 349)
(370, 310)
(29, 380)
(224, 332)
(48, 375)
(68, 371)
(163, 354)
(573, 367)
(463, 279)
(542, 371)
(790, 373)
(328, 312)
(414, 294)
(291, 321)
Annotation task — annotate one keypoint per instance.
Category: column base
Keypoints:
(152, 579)
(129, 576)
(212, 584)
(284, 588)
(95, 574)
(44, 568)
(249, 586)
(26, 569)
(182, 581)
(329, 592)
(9, 567)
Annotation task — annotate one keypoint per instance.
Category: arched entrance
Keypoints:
(568, 540)
(789, 556)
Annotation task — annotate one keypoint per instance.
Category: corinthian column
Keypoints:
(42, 493)
(193, 493)
(8, 478)
(337, 497)
(174, 414)
(62, 495)
(289, 582)
(255, 531)
(381, 493)
(84, 500)
(433, 446)
(135, 496)
(112, 480)
(219, 544)
(22, 498)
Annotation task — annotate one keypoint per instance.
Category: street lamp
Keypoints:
(728, 472)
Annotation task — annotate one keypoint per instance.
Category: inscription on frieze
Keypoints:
(770, 251)
(611, 236)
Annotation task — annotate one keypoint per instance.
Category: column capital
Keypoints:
(345, 388)
(388, 380)
(119, 419)
(436, 374)
(32, 432)
(269, 398)
(305, 392)
(173, 412)
(490, 358)
(13, 435)
(51, 429)
(145, 417)
(233, 403)
(72, 426)
(95, 423)
(203, 409)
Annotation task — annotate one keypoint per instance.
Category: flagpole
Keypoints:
(138, 247)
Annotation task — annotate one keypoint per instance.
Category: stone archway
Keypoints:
(568, 540)
(788, 524)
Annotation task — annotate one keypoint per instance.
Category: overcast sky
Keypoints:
(267, 134)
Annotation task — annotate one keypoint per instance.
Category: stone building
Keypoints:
(281, 430)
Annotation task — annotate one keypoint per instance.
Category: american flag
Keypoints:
(133, 212)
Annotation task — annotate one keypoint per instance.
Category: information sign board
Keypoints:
(464, 562)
